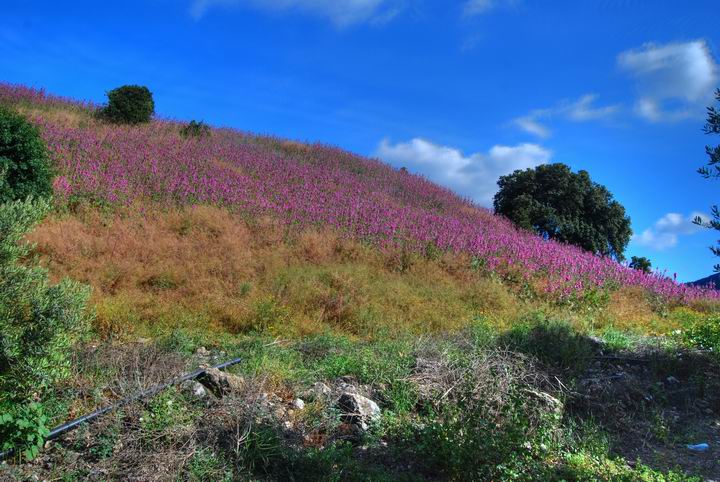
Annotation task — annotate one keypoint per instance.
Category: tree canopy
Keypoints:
(712, 170)
(24, 160)
(641, 263)
(559, 204)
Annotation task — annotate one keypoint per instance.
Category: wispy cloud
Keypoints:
(472, 8)
(674, 79)
(474, 175)
(340, 12)
(580, 110)
(666, 231)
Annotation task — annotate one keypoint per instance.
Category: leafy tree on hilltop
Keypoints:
(641, 263)
(24, 160)
(130, 104)
(712, 171)
(566, 206)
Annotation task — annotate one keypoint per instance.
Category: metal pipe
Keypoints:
(72, 425)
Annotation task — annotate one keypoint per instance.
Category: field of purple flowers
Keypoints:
(308, 185)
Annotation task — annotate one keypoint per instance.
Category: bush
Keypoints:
(703, 334)
(38, 321)
(24, 160)
(130, 104)
(195, 129)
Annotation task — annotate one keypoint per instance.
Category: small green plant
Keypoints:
(206, 465)
(165, 411)
(195, 129)
(259, 447)
(23, 428)
(268, 312)
(244, 289)
(24, 159)
(129, 104)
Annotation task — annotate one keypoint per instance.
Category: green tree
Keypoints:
(195, 129)
(641, 263)
(559, 204)
(130, 104)
(38, 321)
(712, 171)
(24, 160)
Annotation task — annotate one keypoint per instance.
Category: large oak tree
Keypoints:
(566, 206)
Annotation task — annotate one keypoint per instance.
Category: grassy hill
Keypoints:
(483, 345)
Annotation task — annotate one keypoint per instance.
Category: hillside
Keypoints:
(712, 281)
(387, 328)
(306, 185)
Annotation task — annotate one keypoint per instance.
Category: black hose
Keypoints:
(72, 425)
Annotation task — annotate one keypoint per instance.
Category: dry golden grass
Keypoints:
(203, 267)
(629, 309)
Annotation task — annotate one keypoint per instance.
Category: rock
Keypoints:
(198, 390)
(672, 380)
(318, 391)
(202, 351)
(358, 410)
(221, 383)
(299, 403)
(321, 389)
(551, 402)
(194, 388)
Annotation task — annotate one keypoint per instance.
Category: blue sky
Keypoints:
(461, 91)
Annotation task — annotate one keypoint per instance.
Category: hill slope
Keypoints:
(712, 281)
(490, 354)
(307, 185)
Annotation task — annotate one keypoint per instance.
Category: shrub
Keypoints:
(703, 334)
(38, 321)
(195, 129)
(24, 161)
(488, 418)
(130, 104)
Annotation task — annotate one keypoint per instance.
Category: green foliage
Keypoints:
(703, 334)
(641, 263)
(206, 465)
(560, 204)
(195, 129)
(459, 440)
(24, 159)
(268, 312)
(129, 104)
(38, 321)
(166, 410)
(260, 447)
(23, 428)
(712, 171)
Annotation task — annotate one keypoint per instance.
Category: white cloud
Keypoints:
(480, 7)
(580, 110)
(530, 124)
(682, 74)
(474, 176)
(665, 232)
(340, 12)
